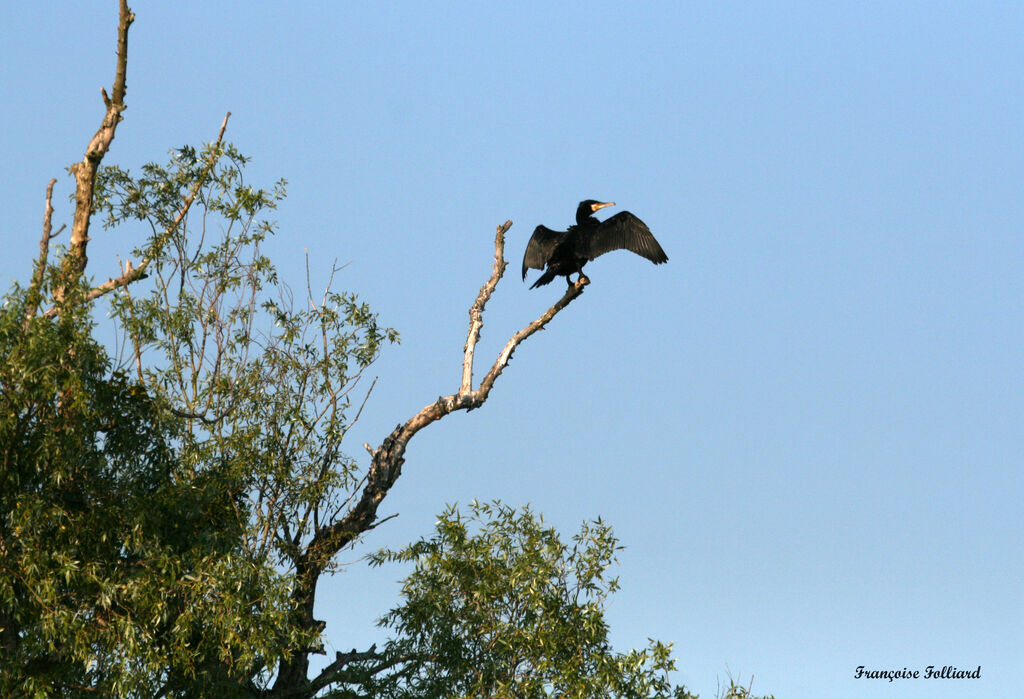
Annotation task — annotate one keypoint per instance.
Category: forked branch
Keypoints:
(387, 459)
(386, 465)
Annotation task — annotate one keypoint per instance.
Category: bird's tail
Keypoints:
(545, 278)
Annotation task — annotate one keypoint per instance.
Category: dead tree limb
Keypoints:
(387, 459)
(48, 235)
(476, 311)
(35, 289)
(335, 671)
(85, 170)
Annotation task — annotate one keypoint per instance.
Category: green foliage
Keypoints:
(264, 388)
(735, 691)
(103, 553)
(152, 507)
(499, 606)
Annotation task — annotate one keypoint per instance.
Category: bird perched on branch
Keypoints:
(564, 253)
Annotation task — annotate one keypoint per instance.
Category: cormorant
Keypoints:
(565, 252)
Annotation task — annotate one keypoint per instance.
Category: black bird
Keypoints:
(565, 252)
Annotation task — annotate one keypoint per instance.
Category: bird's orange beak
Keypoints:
(601, 205)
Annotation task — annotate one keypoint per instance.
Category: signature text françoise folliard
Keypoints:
(932, 672)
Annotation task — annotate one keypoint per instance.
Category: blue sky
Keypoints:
(807, 428)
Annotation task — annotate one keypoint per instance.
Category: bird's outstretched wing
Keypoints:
(538, 250)
(623, 231)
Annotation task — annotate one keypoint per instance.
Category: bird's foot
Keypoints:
(582, 281)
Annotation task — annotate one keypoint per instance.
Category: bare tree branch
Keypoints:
(35, 290)
(480, 395)
(85, 170)
(476, 311)
(44, 242)
(388, 458)
(333, 672)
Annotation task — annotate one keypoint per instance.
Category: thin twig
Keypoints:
(35, 290)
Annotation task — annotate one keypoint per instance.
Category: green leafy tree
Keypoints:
(170, 503)
(499, 606)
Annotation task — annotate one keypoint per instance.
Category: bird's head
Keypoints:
(587, 208)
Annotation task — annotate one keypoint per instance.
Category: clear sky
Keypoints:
(807, 428)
